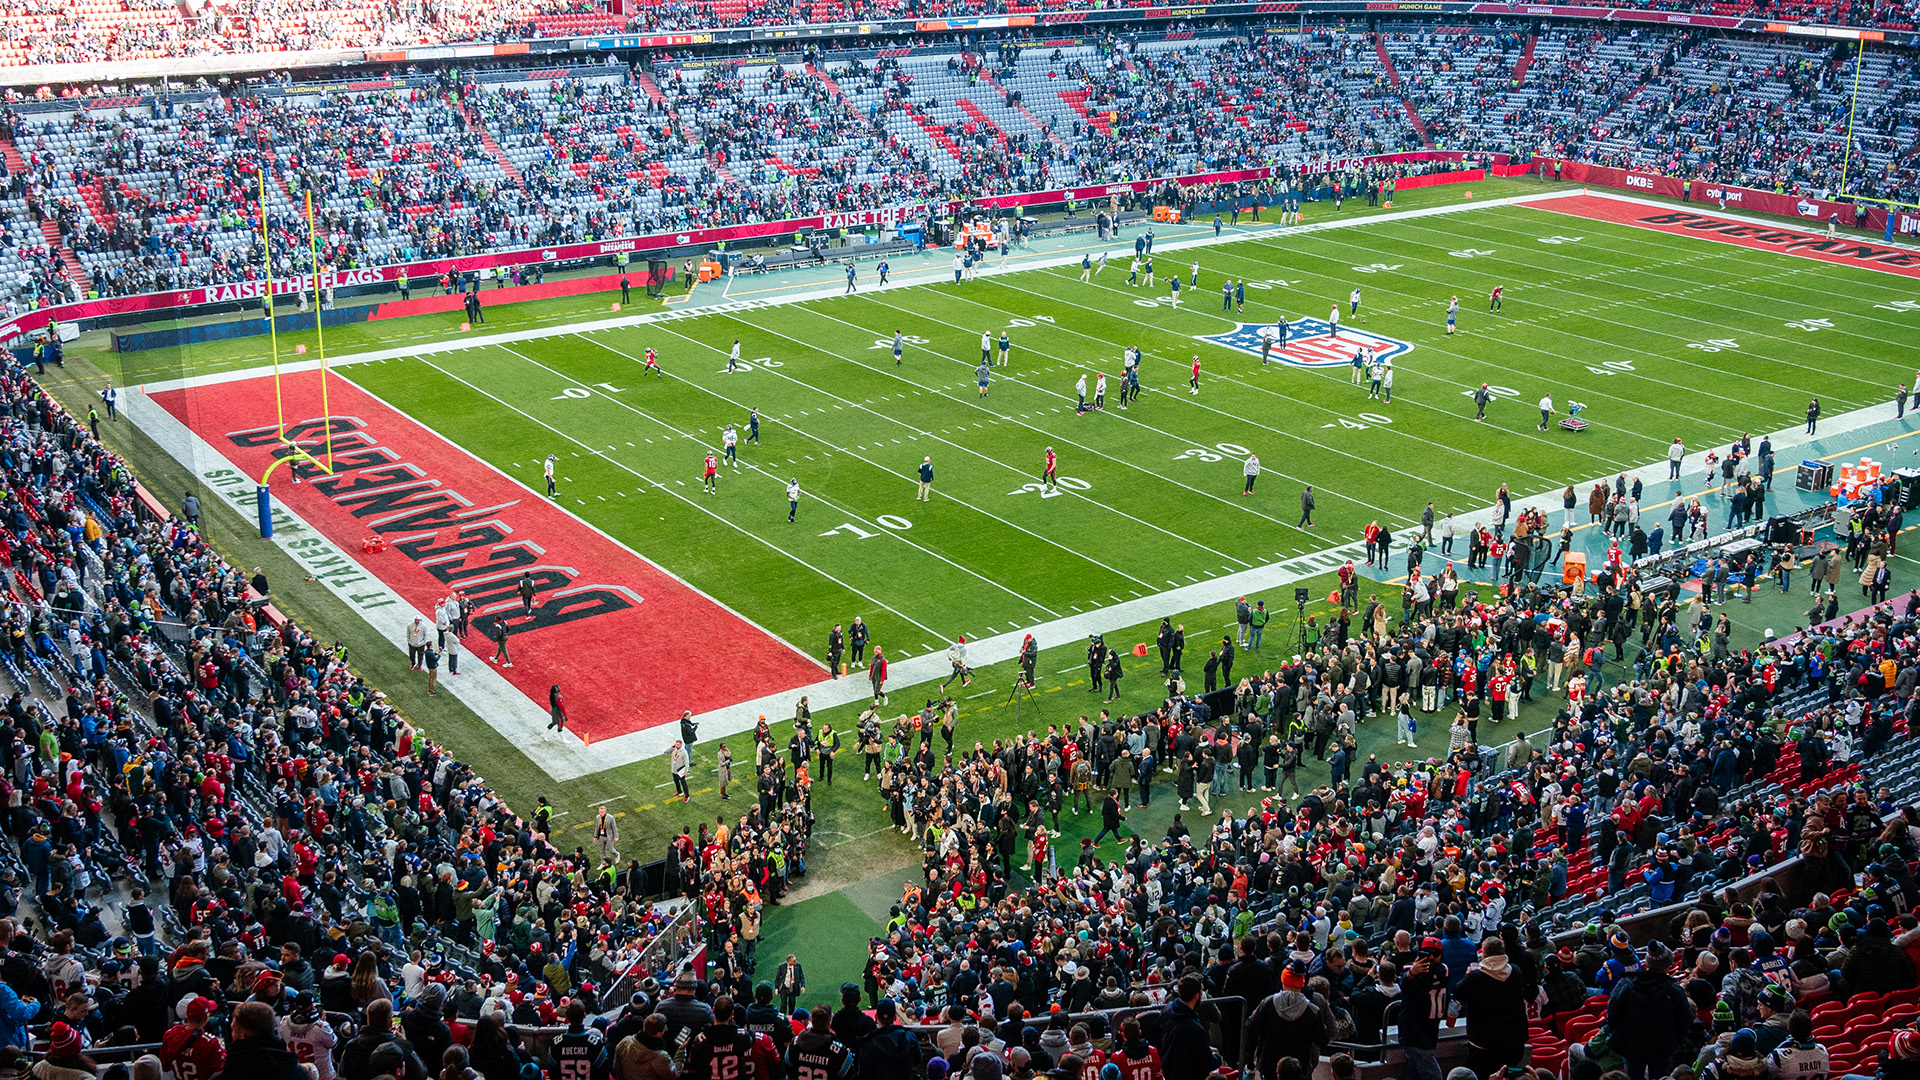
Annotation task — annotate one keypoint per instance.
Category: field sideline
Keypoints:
(1148, 519)
(856, 869)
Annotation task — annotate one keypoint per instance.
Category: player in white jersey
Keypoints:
(1353, 301)
(733, 358)
(1800, 1057)
(551, 489)
(309, 1036)
(730, 441)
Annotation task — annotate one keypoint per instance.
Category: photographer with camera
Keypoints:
(957, 656)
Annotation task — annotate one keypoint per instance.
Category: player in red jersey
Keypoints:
(653, 363)
(1047, 475)
(1138, 1060)
(710, 478)
(1193, 379)
(189, 1051)
(1493, 301)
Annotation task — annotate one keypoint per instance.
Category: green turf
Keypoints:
(1607, 319)
(828, 933)
(1150, 497)
(199, 359)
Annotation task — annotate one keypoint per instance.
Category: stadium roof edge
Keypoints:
(810, 33)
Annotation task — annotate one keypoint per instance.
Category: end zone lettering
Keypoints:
(1839, 248)
(463, 546)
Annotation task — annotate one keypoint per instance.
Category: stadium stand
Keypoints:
(225, 840)
(265, 860)
(163, 193)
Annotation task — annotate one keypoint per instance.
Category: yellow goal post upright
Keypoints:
(1860, 39)
(290, 450)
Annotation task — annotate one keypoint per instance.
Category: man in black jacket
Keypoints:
(891, 1052)
(851, 1025)
(256, 1051)
(763, 1019)
(1648, 1015)
(1185, 1053)
(423, 1026)
(1494, 997)
(789, 981)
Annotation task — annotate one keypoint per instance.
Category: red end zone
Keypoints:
(1841, 251)
(617, 633)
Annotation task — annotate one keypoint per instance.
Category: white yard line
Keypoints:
(513, 714)
(824, 293)
(522, 720)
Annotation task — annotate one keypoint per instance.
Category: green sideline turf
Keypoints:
(1150, 497)
(1660, 336)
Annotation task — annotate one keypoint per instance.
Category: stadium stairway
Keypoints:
(10, 153)
(1525, 61)
(1021, 108)
(935, 132)
(1419, 125)
(651, 89)
(839, 95)
(719, 167)
(95, 197)
(982, 120)
(1077, 101)
(492, 148)
(76, 273)
(1393, 79)
(834, 90)
(1386, 60)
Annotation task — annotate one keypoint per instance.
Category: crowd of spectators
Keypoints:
(1651, 776)
(233, 844)
(166, 195)
(208, 807)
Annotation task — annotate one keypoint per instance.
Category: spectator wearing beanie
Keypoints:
(891, 1052)
(64, 1060)
(1742, 1061)
(1293, 1023)
(1649, 1005)
(1875, 964)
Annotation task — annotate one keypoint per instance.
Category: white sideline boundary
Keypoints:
(481, 688)
(825, 292)
(523, 721)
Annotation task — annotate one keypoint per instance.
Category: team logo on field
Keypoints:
(1308, 343)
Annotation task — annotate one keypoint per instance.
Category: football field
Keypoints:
(1658, 335)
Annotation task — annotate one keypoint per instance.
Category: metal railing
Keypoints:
(670, 950)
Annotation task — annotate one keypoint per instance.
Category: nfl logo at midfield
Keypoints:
(1308, 343)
